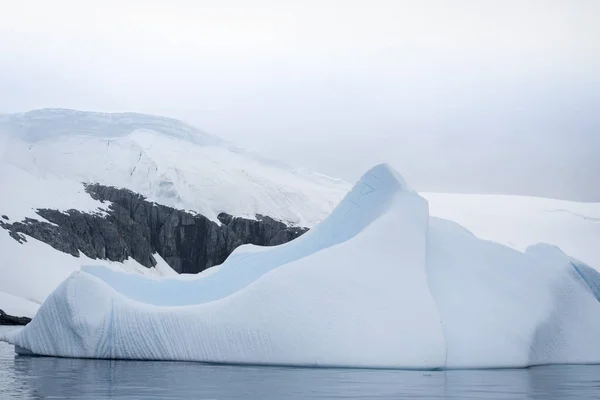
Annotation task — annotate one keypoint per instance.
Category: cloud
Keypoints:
(460, 96)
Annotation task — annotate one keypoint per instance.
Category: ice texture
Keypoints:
(379, 283)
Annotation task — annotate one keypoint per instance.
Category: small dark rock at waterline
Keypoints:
(6, 319)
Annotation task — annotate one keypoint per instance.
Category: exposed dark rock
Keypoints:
(6, 319)
(5, 217)
(286, 235)
(264, 231)
(134, 227)
(225, 218)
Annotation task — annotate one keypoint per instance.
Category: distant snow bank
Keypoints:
(379, 283)
(520, 221)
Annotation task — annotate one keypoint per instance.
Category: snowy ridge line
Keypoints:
(36, 124)
(379, 284)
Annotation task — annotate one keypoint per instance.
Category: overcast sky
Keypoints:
(464, 96)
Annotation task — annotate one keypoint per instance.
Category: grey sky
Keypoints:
(475, 96)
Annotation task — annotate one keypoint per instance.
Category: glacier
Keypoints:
(165, 160)
(379, 284)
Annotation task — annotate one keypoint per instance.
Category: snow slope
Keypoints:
(380, 284)
(166, 160)
(30, 272)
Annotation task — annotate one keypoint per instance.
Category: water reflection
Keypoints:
(40, 377)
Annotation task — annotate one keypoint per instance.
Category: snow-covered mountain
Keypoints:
(47, 155)
(165, 160)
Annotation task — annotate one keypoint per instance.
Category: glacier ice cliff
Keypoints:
(379, 283)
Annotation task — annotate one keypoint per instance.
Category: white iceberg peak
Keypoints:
(383, 176)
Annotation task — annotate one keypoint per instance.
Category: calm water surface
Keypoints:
(56, 378)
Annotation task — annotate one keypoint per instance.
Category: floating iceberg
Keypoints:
(379, 283)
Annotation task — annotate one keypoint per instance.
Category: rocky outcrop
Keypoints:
(6, 319)
(134, 227)
(264, 231)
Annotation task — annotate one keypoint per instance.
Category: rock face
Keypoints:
(134, 227)
(6, 319)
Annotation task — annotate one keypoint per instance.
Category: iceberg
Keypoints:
(378, 284)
